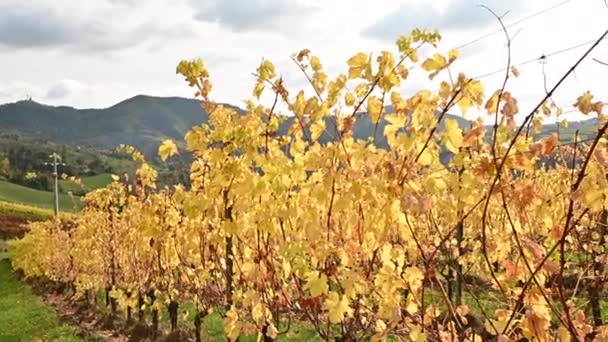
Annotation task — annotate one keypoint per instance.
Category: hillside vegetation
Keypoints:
(14, 218)
(10, 192)
(86, 183)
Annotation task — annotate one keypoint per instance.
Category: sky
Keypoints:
(93, 54)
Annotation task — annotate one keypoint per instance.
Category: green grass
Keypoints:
(88, 183)
(97, 181)
(10, 192)
(24, 317)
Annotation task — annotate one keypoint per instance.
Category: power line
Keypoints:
(537, 59)
(541, 58)
(512, 24)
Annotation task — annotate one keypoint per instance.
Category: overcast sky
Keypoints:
(96, 53)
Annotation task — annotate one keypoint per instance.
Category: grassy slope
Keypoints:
(24, 212)
(14, 217)
(24, 317)
(88, 183)
(97, 181)
(10, 192)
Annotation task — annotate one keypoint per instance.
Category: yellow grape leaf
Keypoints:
(316, 285)
(316, 129)
(232, 325)
(585, 105)
(266, 70)
(147, 175)
(445, 90)
(564, 123)
(374, 107)
(434, 64)
(357, 64)
(258, 89)
(417, 334)
(593, 198)
(426, 157)
(299, 105)
(361, 89)
(349, 99)
(535, 325)
(337, 307)
(402, 71)
(260, 313)
(564, 334)
(167, 149)
(392, 80)
(380, 329)
(315, 63)
(453, 55)
(537, 124)
(453, 135)
(395, 122)
(472, 94)
(319, 81)
(492, 103)
(414, 277)
(400, 105)
(411, 305)
(386, 61)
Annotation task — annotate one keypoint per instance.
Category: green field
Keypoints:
(23, 315)
(10, 192)
(88, 183)
(97, 181)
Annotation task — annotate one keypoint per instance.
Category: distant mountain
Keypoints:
(144, 121)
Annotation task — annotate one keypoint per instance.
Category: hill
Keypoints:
(142, 121)
(15, 193)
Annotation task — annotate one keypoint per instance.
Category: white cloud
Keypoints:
(42, 24)
(453, 15)
(64, 89)
(254, 15)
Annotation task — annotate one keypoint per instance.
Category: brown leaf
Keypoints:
(534, 248)
(426, 203)
(514, 71)
(602, 156)
(551, 266)
(546, 145)
(302, 54)
(472, 135)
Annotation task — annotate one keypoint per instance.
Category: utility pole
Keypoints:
(55, 162)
